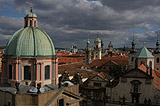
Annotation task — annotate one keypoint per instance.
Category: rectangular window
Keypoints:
(97, 84)
(10, 71)
(34, 23)
(47, 72)
(27, 73)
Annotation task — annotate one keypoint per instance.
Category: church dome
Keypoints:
(30, 42)
(31, 14)
(98, 40)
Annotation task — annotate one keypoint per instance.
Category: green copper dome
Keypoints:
(31, 14)
(30, 42)
(98, 40)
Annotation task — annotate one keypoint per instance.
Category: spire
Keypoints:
(133, 45)
(88, 42)
(157, 43)
(31, 7)
(97, 34)
(144, 42)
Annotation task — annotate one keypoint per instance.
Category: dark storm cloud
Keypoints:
(69, 21)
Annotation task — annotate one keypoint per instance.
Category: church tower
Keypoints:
(110, 49)
(156, 54)
(97, 53)
(145, 57)
(88, 53)
(132, 54)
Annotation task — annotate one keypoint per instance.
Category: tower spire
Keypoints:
(31, 7)
(157, 43)
(133, 45)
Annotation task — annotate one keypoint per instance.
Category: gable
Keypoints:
(136, 73)
(96, 78)
(110, 63)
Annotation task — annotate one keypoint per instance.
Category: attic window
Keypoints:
(97, 84)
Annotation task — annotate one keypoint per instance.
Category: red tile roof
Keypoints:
(117, 60)
(155, 74)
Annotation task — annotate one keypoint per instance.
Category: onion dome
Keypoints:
(98, 40)
(88, 48)
(157, 45)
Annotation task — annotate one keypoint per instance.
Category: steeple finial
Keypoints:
(157, 43)
(133, 45)
(144, 42)
(31, 7)
(157, 36)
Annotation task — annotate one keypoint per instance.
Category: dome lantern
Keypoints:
(30, 20)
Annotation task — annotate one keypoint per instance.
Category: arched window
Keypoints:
(157, 60)
(34, 23)
(10, 71)
(27, 73)
(30, 22)
(150, 64)
(47, 72)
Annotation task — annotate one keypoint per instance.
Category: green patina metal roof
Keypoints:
(31, 14)
(30, 42)
(98, 40)
(144, 53)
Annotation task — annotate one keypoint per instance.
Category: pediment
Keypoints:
(97, 78)
(136, 73)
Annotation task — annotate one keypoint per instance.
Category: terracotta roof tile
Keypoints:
(155, 74)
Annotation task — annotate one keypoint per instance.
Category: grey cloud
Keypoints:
(69, 21)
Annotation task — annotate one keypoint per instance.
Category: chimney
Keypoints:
(147, 69)
(59, 83)
(151, 71)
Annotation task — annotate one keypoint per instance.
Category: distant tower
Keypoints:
(88, 53)
(110, 49)
(97, 48)
(156, 54)
(73, 49)
(144, 57)
(132, 54)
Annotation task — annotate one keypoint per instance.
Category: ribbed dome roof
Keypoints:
(31, 14)
(30, 42)
(98, 40)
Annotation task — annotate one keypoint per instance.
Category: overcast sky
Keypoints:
(69, 21)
